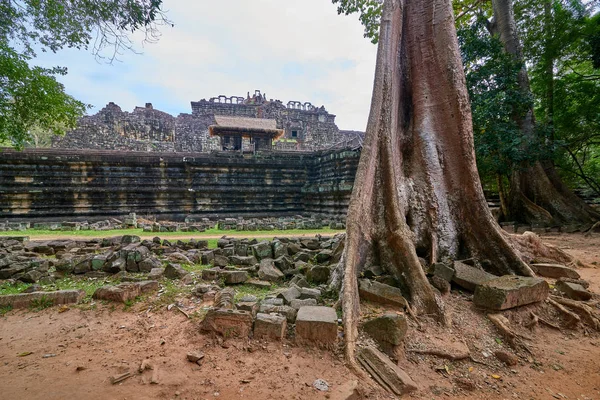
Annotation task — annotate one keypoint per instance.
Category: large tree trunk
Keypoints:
(417, 191)
(537, 193)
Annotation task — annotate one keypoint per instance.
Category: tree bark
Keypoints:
(537, 194)
(417, 191)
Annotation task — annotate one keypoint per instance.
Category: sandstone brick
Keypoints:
(555, 271)
(510, 291)
(317, 323)
(269, 326)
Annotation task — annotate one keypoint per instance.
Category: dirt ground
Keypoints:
(74, 354)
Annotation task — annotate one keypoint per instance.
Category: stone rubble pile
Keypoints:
(190, 224)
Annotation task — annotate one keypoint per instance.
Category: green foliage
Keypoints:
(12, 287)
(495, 98)
(41, 303)
(31, 97)
(5, 309)
(260, 293)
(369, 14)
(562, 46)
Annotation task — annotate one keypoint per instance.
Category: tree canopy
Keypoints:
(561, 52)
(31, 97)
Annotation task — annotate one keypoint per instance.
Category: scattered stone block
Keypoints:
(121, 293)
(228, 323)
(156, 273)
(289, 312)
(243, 260)
(385, 372)
(269, 326)
(234, 277)
(175, 271)
(289, 294)
(268, 271)
(317, 324)
(283, 263)
(573, 290)
(381, 293)
(318, 274)
(555, 271)
(259, 284)
(273, 301)
(443, 271)
(299, 303)
(220, 260)
(388, 330)
(262, 250)
(469, 277)
(310, 293)
(510, 291)
(323, 256)
(211, 274)
(195, 356)
(250, 306)
(25, 300)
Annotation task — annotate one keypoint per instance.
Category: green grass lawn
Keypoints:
(198, 235)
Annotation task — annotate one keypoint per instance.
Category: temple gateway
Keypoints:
(246, 135)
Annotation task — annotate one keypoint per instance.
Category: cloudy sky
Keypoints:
(290, 49)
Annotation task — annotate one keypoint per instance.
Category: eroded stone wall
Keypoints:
(306, 127)
(58, 183)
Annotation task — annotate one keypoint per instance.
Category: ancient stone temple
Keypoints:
(300, 126)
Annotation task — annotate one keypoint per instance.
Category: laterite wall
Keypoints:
(61, 183)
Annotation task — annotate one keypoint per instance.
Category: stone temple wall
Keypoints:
(306, 127)
(55, 184)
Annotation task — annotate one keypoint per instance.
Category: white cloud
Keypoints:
(290, 49)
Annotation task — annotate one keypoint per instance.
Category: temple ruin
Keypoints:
(300, 126)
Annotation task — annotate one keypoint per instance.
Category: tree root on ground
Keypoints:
(580, 308)
(514, 339)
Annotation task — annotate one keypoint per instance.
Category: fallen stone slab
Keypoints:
(381, 293)
(211, 274)
(259, 284)
(443, 271)
(299, 303)
(269, 272)
(175, 271)
(317, 324)
(228, 323)
(289, 312)
(469, 277)
(289, 294)
(310, 293)
(573, 291)
(318, 274)
(126, 291)
(510, 291)
(270, 326)
(25, 300)
(234, 277)
(387, 330)
(555, 271)
(121, 293)
(385, 372)
(243, 260)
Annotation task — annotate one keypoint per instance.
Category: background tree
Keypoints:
(31, 96)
